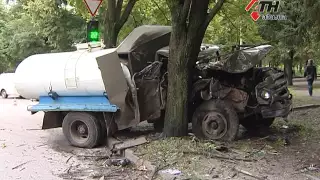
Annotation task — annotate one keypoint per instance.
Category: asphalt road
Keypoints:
(25, 151)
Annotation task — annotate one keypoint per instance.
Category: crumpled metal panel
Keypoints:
(116, 88)
(213, 89)
(149, 95)
(238, 62)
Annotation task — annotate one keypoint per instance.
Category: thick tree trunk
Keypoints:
(176, 117)
(176, 121)
(288, 70)
(110, 35)
(189, 23)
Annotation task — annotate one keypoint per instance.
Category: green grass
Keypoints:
(169, 153)
(303, 125)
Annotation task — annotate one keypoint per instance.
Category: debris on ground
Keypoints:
(20, 165)
(222, 149)
(130, 143)
(312, 167)
(249, 174)
(215, 176)
(256, 152)
(219, 156)
(139, 162)
(68, 159)
(170, 173)
(117, 162)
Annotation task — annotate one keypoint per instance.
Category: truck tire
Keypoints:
(4, 94)
(256, 122)
(215, 120)
(82, 129)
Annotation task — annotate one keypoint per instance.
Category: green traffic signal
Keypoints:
(93, 34)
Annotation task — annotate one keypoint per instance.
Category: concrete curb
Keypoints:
(308, 106)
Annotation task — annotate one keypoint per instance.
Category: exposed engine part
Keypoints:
(133, 89)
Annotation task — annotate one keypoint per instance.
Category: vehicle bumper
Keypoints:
(277, 109)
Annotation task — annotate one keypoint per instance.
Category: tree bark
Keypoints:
(115, 19)
(189, 23)
(110, 35)
(288, 70)
(176, 121)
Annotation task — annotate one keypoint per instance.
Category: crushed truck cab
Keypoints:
(93, 92)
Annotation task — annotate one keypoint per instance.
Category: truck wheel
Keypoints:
(4, 94)
(256, 122)
(215, 120)
(82, 129)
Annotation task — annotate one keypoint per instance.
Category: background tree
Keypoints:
(115, 14)
(231, 25)
(292, 34)
(48, 27)
(190, 19)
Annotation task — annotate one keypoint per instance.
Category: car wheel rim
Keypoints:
(214, 125)
(4, 94)
(79, 131)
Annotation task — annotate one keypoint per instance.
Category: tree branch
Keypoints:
(214, 11)
(118, 9)
(161, 10)
(135, 21)
(126, 13)
(111, 10)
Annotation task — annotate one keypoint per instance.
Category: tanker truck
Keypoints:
(93, 92)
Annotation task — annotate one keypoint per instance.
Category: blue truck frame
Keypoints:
(74, 103)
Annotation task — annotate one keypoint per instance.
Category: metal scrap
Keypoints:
(130, 143)
(117, 162)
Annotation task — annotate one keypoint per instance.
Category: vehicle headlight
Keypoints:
(265, 95)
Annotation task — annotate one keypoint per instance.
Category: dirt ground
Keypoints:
(289, 150)
(292, 152)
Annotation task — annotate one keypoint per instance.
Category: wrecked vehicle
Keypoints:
(230, 90)
(92, 92)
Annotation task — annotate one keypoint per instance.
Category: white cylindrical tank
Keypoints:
(68, 74)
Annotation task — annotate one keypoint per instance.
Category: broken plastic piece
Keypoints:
(171, 171)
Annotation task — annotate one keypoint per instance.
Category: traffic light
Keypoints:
(93, 34)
